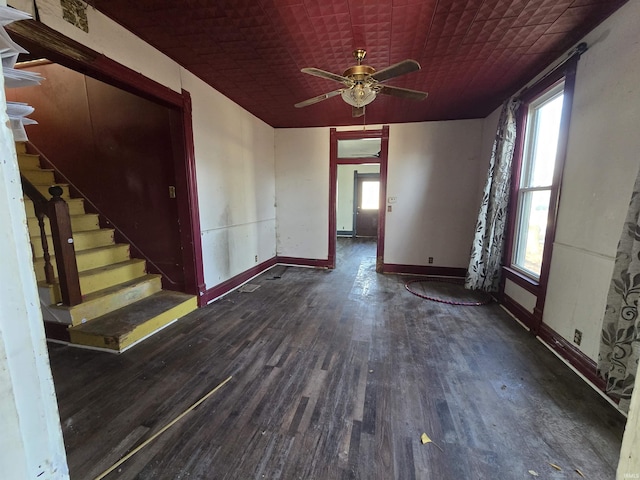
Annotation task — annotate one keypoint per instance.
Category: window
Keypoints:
(370, 194)
(535, 185)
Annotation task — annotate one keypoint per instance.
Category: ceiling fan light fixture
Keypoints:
(359, 95)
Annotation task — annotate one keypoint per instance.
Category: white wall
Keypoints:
(435, 172)
(236, 183)
(234, 150)
(344, 200)
(302, 192)
(434, 169)
(602, 163)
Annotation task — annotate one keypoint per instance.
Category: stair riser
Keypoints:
(108, 303)
(87, 261)
(81, 241)
(101, 280)
(76, 207)
(78, 224)
(21, 147)
(28, 162)
(40, 177)
(150, 326)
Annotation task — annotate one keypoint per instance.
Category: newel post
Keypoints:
(63, 246)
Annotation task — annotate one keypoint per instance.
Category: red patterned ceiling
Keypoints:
(473, 53)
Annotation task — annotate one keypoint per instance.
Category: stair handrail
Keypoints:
(95, 207)
(57, 210)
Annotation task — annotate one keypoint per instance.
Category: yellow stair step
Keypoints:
(122, 328)
(81, 241)
(27, 161)
(79, 223)
(110, 275)
(109, 299)
(89, 259)
(76, 206)
(21, 147)
(100, 278)
(40, 177)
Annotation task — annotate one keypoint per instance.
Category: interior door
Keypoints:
(367, 193)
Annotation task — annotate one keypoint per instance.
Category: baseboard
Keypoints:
(518, 311)
(581, 362)
(303, 262)
(424, 270)
(345, 233)
(234, 282)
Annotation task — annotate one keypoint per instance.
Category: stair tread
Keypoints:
(112, 266)
(91, 251)
(122, 321)
(95, 231)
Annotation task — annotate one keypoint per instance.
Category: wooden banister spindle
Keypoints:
(48, 267)
(63, 246)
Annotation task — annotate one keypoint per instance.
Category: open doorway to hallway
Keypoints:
(358, 178)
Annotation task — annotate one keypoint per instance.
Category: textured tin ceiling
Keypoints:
(473, 53)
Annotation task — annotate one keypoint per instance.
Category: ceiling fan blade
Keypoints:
(403, 93)
(319, 98)
(357, 112)
(316, 72)
(401, 68)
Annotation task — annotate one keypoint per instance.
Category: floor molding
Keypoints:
(423, 270)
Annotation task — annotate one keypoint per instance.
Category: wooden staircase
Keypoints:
(121, 303)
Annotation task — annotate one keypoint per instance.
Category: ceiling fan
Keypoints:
(362, 83)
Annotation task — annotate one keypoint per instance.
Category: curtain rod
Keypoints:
(576, 52)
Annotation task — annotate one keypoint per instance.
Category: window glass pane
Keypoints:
(545, 142)
(359, 148)
(532, 226)
(370, 195)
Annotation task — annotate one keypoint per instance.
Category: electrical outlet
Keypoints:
(430, 259)
(577, 337)
(256, 258)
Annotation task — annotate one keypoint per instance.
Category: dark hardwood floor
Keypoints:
(336, 374)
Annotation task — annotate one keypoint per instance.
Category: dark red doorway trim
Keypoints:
(333, 179)
(42, 40)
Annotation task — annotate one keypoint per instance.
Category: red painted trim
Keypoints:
(233, 282)
(517, 310)
(304, 262)
(189, 209)
(334, 161)
(424, 270)
(585, 365)
(521, 280)
(568, 72)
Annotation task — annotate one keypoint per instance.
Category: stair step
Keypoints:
(100, 278)
(76, 206)
(27, 161)
(79, 223)
(81, 241)
(108, 300)
(21, 147)
(89, 259)
(122, 328)
(110, 275)
(40, 177)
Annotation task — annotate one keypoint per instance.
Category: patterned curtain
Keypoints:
(620, 341)
(486, 252)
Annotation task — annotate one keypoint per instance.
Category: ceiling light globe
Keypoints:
(359, 96)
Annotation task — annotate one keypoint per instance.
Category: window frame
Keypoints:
(523, 184)
(567, 73)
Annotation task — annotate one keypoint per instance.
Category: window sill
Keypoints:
(520, 279)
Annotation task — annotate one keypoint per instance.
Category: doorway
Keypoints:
(364, 153)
